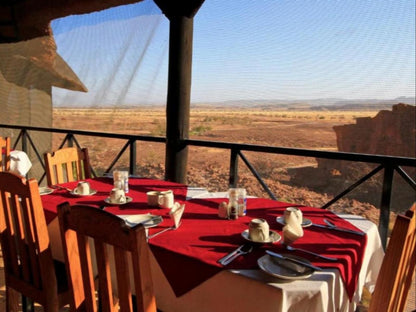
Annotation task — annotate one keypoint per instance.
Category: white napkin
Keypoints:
(292, 230)
(19, 162)
(176, 213)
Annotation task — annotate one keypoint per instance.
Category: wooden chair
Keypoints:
(5, 154)
(29, 268)
(398, 267)
(67, 165)
(79, 225)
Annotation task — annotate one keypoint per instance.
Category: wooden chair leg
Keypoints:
(27, 304)
(12, 300)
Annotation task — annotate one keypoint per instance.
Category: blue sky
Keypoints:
(245, 50)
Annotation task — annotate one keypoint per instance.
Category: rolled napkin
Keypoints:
(176, 213)
(292, 230)
(19, 162)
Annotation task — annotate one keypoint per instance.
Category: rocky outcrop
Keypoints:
(388, 133)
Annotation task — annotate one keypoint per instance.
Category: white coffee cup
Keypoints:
(153, 198)
(293, 213)
(166, 199)
(258, 230)
(117, 196)
(83, 188)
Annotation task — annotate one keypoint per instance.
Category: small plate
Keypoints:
(92, 192)
(305, 222)
(128, 200)
(148, 220)
(284, 269)
(44, 190)
(273, 237)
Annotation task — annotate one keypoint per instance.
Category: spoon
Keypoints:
(245, 249)
(290, 248)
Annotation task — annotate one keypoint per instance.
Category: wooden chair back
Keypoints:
(5, 153)
(396, 273)
(80, 225)
(67, 165)
(29, 268)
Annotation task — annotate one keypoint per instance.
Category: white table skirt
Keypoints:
(254, 290)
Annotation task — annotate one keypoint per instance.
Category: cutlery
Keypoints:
(151, 219)
(290, 248)
(173, 227)
(242, 250)
(232, 253)
(330, 225)
(311, 266)
(58, 187)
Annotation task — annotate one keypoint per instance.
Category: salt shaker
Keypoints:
(242, 202)
(233, 203)
(126, 182)
(223, 210)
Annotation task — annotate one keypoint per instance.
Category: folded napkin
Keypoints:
(19, 162)
(292, 230)
(176, 213)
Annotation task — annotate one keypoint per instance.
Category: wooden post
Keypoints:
(179, 97)
(180, 14)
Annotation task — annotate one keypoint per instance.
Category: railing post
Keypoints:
(24, 140)
(132, 164)
(383, 225)
(70, 140)
(233, 168)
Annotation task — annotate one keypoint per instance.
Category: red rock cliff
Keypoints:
(388, 133)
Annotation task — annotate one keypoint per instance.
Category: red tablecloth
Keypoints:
(203, 238)
(103, 186)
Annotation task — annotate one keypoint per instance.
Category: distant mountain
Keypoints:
(312, 104)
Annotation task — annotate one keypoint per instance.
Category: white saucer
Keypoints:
(284, 269)
(273, 237)
(92, 192)
(45, 190)
(128, 200)
(305, 222)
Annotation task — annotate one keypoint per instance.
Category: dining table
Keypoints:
(187, 275)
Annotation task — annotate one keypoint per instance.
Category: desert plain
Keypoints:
(208, 167)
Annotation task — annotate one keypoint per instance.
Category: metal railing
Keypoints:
(390, 164)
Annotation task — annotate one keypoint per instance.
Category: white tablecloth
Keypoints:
(254, 290)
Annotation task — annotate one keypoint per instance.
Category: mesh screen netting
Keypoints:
(244, 51)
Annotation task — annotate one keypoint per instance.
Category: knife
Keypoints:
(338, 229)
(273, 254)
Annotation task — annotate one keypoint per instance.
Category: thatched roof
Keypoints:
(27, 19)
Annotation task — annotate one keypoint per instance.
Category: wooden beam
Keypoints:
(178, 98)
(180, 14)
(173, 8)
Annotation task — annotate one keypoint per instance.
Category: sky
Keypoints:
(244, 50)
